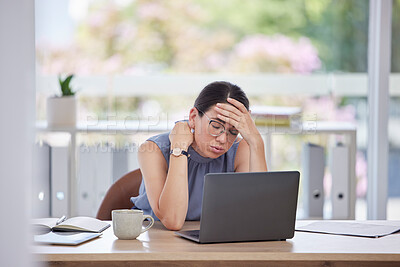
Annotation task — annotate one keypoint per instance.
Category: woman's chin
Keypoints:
(215, 154)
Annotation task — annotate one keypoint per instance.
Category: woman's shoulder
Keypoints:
(161, 141)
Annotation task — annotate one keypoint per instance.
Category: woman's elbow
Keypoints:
(172, 224)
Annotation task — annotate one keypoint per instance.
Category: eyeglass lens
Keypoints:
(216, 129)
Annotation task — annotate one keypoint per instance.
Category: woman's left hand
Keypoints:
(238, 116)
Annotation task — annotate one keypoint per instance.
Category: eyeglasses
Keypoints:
(215, 128)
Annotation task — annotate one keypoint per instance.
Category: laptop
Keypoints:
(242, 207)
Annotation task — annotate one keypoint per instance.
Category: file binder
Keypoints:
(119, 164)
(94, 177)
(124, 160)
(60, 179)
(340, 169)
(41, 181)
(313, 165)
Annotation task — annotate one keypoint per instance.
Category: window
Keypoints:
(144, 60)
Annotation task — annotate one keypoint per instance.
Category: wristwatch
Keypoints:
(179, 151)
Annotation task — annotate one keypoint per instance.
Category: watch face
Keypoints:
(176, 151)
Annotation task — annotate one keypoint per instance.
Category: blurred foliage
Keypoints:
(342, 34)
(191, 35)
(396, 36)
(202, 36)
(338, 28)
(180, 36)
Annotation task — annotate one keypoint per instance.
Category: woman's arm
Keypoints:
(167, 188)
(250, 160)
(250, 155)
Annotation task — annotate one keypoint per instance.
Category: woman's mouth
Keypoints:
(217, 149)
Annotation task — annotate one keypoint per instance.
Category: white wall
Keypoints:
(17, 98)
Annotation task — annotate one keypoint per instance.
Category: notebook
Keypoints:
(247, 207)
(75, 224)
(65, 238)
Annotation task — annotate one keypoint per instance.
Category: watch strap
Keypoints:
(182, 152)
(185, 153)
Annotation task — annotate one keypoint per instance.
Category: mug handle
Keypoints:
(150, 224)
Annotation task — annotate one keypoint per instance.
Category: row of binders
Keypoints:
(50, 185)
(98, 167)
(313, 165)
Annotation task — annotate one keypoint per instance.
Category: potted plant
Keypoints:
(61, 109)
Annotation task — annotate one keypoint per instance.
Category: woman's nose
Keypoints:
(222, 138)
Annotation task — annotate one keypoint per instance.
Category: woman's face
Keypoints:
(206, 144)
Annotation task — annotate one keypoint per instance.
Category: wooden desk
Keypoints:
(159, 246)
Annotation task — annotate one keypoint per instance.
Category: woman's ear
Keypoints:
(192, 116)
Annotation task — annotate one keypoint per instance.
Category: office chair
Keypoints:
(119, 194)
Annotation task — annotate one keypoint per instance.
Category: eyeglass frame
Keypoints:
(223, 126)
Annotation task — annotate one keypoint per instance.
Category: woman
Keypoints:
(219, 136)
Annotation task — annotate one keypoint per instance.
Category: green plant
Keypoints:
(66, 89)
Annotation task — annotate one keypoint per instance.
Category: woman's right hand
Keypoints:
(181, 135)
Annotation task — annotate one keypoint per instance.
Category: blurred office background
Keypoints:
(142, 60)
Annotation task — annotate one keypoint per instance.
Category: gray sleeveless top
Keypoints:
(198, 166)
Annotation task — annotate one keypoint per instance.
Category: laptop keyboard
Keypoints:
(194, 233)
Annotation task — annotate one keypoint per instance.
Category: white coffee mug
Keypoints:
(127, 224)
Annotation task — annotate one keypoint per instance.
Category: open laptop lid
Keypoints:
(249, 206)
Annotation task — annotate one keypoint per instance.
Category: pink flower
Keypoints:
(326, 108)
(152, 11)
(280, 51)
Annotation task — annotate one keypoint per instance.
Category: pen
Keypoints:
(61, 220)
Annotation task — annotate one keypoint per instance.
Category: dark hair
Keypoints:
(218, 92)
